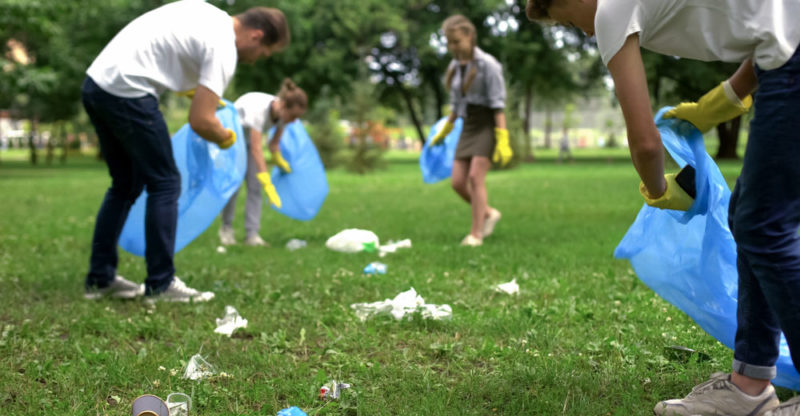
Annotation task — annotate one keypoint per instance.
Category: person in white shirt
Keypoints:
(762, 35)
(181, 46)
(259, 112)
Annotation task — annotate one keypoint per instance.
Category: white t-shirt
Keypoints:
(175, 47)
(706, 30)
(254, 110)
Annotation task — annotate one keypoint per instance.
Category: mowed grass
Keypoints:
(584, 337)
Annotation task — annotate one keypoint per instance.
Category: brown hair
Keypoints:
(538, 10)
(292, 95)
(270, 21)
(458, 22)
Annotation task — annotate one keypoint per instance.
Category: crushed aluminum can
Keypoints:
(332, 390)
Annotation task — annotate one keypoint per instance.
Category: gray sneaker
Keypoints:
(179, 292)
(120, 288)
(788, 408)
(255, 240)
(226, 236)
(718, 396)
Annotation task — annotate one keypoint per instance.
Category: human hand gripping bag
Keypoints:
(304, 189)
(209, 176)
(689, 258)
(436, 162)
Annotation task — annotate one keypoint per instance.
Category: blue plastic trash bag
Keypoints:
(302, 191)
(436, 162)
(689, 258)
(209, 176)
(292, 411)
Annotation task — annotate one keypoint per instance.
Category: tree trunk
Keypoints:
(64, 144)
(410, 103)
(526, 126)
(728, 133)
(31, 144)
(548, 128)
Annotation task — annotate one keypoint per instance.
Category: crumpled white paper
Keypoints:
(392, 246)
(198, 368)
(353, 240)
(230, 322)
(403, 304)
(511, 288)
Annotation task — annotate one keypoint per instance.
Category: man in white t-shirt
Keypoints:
(762, 35)
(181, 46)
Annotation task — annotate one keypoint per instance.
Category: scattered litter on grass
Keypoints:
(149, 404)
(405, 303)
(353, 240)
(179, 404)
(295, 244)
(332, 390)
(230, 322)
(375, 268)
(511, 288)
(221, 250)
(198, 368)
(392, 246)
(292, 411)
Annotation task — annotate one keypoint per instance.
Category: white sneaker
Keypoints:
(490, 222)
(120, 288)
(787, 408)
(255, 240)
(471, 241)
(226, 236)
(718, 396)
(179, 292)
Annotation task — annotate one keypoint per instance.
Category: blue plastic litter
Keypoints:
(302, 191)
(436, 162)
(689, 258)
(292, 411)
(375, 268)
(209, 176)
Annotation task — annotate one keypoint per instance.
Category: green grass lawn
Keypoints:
(584, 337)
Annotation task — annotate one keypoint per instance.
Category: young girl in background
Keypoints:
(477, 94)
(259, 112)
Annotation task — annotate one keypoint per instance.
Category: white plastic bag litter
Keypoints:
(392, 246)
(353, 240)
(295, 244)
(403, 304)
(230, 322)
(198, 368)
(511, 288)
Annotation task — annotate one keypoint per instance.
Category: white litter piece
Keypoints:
(511, 288)
(295, 244)
(198, 368)
(179, 404)
(392, 246)
(332, 390)
(230, 322)
(221, 250)
(353, 240)
(405, 303)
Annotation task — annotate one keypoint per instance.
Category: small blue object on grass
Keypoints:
(375, 268)
(689, 258)
(209, 176)
(292, 411)
(304, 189)
(436, 162)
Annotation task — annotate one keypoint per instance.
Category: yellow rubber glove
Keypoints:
(229, 141)
(442, 133)
(190, 94)
(269, 188)
(502, 149)
(674, 197)
(717, 106)
(280, 162)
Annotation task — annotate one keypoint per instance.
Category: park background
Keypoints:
(584, 336)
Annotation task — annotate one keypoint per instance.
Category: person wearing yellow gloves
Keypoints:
(148, 57)
(764, 212)
(259, 112)
(477, 94)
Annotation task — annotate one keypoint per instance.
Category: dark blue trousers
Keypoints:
(135, 144)
(764, 219)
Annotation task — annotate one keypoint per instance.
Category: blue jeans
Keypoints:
(764, 219)
(135, 143)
